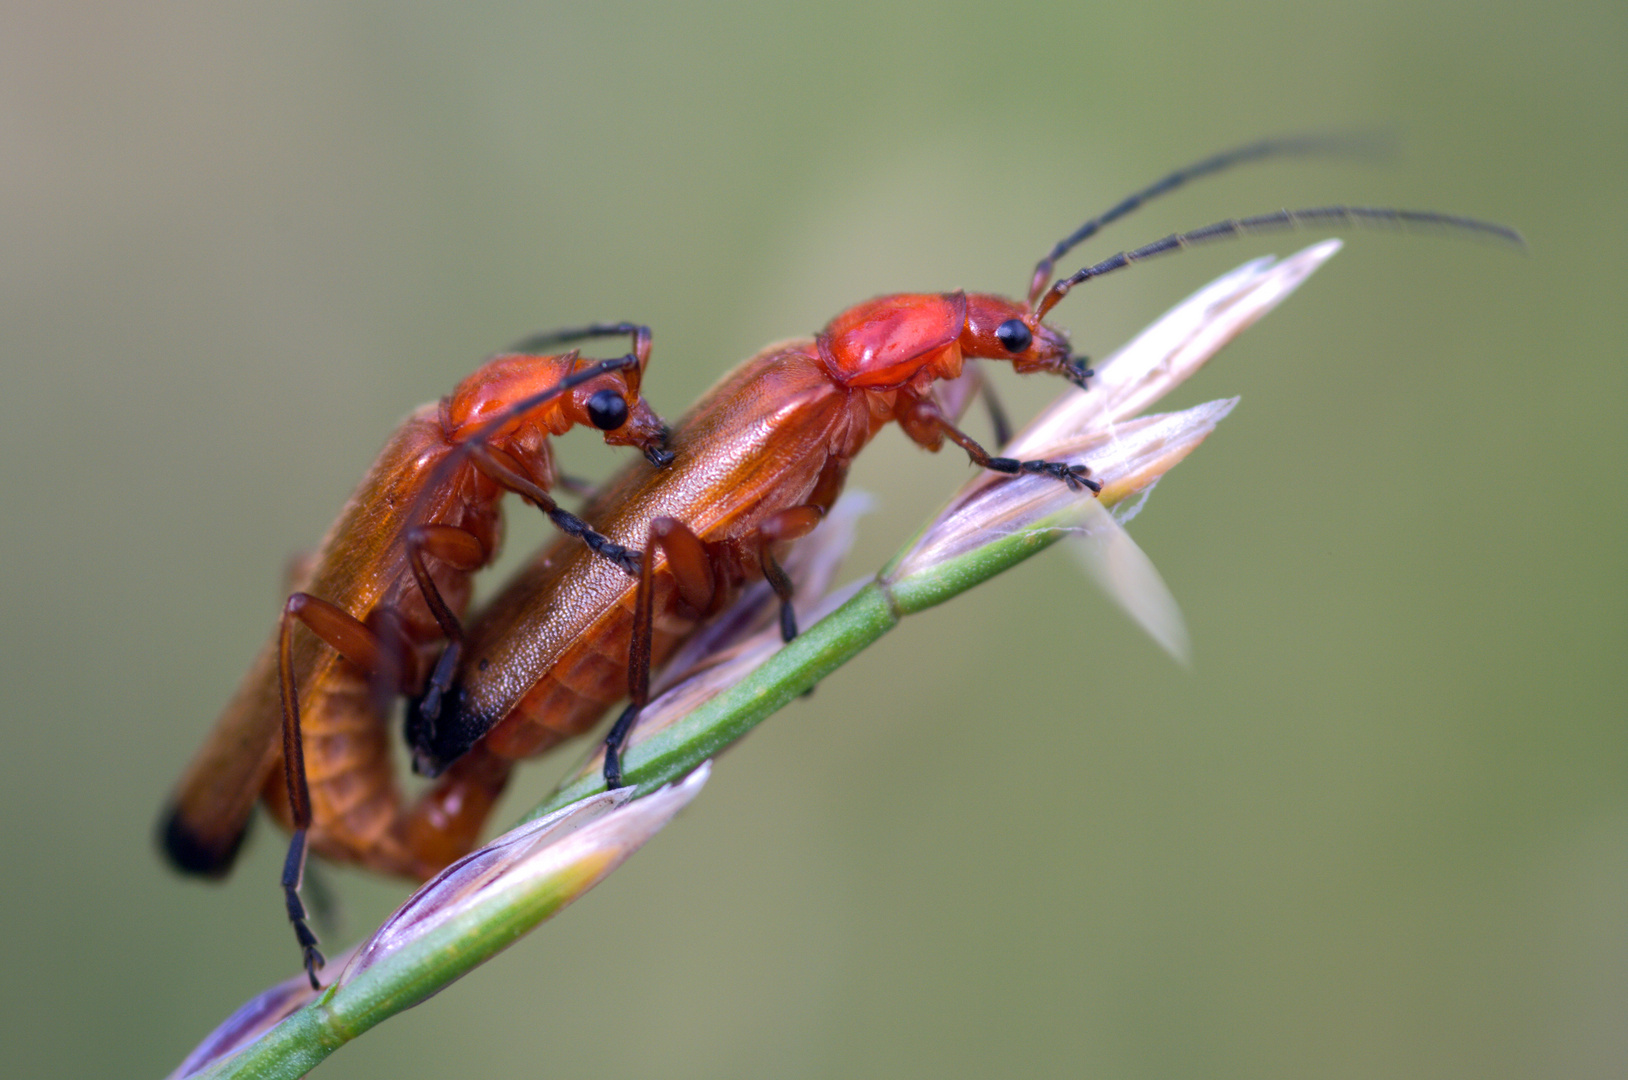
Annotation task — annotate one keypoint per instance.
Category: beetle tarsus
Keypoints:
(1077, 477)
(293, 871)
(603, 546)
(314, 960)
(614, 740)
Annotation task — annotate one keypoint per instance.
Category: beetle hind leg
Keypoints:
(293, 872)
(371, 646)
(690, 560)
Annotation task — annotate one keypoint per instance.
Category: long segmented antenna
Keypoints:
(547, 339)
(1277, 221)
(1296, 145)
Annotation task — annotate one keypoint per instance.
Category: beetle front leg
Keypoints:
(1077, 477)
(955, 397)
(506, 471)
(923, 422)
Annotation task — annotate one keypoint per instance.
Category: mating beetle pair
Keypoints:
(663, 545)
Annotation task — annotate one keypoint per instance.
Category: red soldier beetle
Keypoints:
(758, 462)
(387, 586)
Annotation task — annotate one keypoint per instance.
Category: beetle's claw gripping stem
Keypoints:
(314, 961)
(293, 871)
(307, 938)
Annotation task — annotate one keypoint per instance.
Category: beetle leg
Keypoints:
(342, 630)
(378, 648)
(998, 420)
(504, 470)
(462, 551)
(785, 525)
(927, 417)
(687, 561)
(397, 661)
(781, 584)
(691, 564)
(638, 667)
(576, 485)
(789, 525)
(997, 412)
(293, 873)
(1077, 477)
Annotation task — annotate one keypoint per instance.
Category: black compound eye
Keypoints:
(1014, 336)
(607, 411)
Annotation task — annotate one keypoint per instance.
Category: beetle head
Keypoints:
(1002, 329)
(522, 398)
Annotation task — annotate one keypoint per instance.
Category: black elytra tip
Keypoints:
(437, 741)
(190, 853)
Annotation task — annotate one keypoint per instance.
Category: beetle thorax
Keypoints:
(891, 340)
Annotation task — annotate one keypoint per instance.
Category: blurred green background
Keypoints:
(1381, 829)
